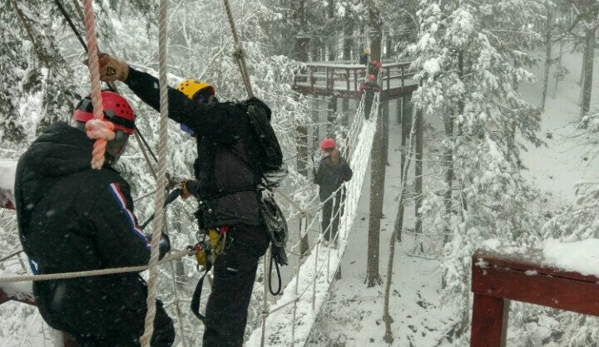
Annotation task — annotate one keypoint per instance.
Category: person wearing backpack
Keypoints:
(226, 187)
(74, 218)
(332, 171)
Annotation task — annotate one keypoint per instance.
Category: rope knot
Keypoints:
(100, 129)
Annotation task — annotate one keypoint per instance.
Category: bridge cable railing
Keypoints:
(326, 257)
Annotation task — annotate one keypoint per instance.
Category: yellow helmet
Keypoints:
(366, 51)
(191, 87)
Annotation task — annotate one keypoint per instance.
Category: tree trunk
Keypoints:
(332, 42)
(558, 67)
(402, 198)
(332, 116)
(406, 125)
(587, 87)
(377, 184)
(548, 46)
(419, 141)
(385, 114)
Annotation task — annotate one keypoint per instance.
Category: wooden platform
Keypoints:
(343, 80)
(497, 278)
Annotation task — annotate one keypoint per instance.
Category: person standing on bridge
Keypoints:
(369, 88)
(73, 218)
(226, 187)
(364, 57)
(333, 171)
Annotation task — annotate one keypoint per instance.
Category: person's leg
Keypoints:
(326, 219)
(234, 275)
(335, 216)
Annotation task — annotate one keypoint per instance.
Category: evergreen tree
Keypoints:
(469, 61)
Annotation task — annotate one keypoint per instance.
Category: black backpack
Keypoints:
(271, 171)
(271, 163)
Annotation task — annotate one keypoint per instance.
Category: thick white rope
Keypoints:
(68, 275)
(97, 128)
(161, 184)
(239, 53)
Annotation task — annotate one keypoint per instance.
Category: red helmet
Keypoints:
(371, 77)
(328, 143)
(116, 110)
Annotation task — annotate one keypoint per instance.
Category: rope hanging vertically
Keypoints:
(239, 53)
(161, 183)
(97, 128)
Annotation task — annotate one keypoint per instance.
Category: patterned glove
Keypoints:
(112, 69)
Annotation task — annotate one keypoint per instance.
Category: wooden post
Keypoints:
(489, 322)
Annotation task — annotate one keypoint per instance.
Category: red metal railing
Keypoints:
(497, 278)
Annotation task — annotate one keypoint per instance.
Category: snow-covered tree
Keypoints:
(469, 60)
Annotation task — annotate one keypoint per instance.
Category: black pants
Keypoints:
(234, 276)
(163, 336)
(102, 311)
(330, 215)
(368, 99)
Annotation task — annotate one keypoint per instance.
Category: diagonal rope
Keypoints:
(239, 53)
(98, 129)
(161, 184)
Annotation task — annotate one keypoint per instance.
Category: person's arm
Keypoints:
(346, 171)
(318, 174)
(215, 120)
(120, 240)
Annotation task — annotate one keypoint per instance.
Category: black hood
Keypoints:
(60, 150)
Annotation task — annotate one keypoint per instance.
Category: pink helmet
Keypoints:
(116, 110)
(371, 77)
(328, 143)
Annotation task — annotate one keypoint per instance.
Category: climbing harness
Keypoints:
(214, 242)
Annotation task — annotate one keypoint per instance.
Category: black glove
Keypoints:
(165, 243)
(189, 188)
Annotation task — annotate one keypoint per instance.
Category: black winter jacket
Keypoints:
(74, 218)
(330, 177)
(228, 191)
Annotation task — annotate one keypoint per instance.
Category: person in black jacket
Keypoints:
(332, 171)
(74, 218)
(226, 188)
(369, 88)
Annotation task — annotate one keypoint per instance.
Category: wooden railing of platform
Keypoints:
(344, 80)
(5, 297)
(498, 278)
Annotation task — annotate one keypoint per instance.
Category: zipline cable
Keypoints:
(71, 24)
(239, 53)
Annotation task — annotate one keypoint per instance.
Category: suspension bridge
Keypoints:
(287, 320)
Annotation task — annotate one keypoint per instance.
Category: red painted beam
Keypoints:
(497, 278)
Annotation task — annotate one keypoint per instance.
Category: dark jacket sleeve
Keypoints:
(217, 120)
(318, 174)
(346, 171)
(120, 240)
